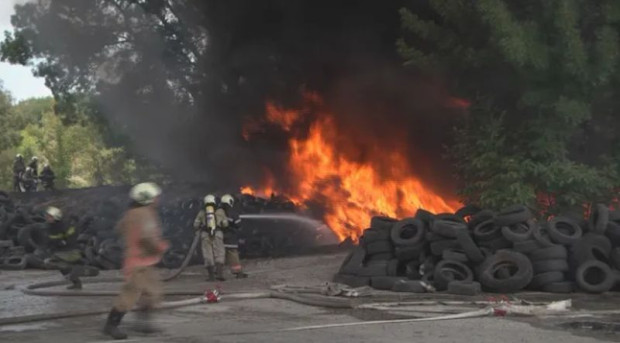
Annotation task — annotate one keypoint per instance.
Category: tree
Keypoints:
(544, 76)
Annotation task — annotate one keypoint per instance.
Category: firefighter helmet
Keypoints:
(145, 193)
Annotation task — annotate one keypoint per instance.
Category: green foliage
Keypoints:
(543, 68)
(71, 142)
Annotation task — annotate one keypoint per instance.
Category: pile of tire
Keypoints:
(476, 250)
(24, 240)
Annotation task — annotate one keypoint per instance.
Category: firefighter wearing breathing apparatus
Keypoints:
(212, 238)
(230, 222)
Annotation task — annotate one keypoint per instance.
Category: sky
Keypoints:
(18, 79)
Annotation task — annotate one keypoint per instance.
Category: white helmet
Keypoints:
(54, 213)
(228, 199)
(209, 199)
(34, 158)
(18, 156)
(144, 193)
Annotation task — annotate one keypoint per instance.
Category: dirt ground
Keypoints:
(262, 320)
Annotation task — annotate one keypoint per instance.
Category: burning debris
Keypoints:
(350, 187)
(503, 252)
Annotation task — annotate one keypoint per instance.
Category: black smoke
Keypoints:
(188, 113)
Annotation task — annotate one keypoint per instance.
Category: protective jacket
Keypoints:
(63, 241)
(140, 228)
(228, 220)
(18, 166)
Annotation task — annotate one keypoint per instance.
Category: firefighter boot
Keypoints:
(220, 272)
(111, 326)
(76, 284)
(241, 275)
(211, 272)
(144, 323)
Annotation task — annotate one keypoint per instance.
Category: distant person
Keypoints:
(29, 181)
(212, 239)
(19, 167)
(34, 164)
(144, 248)
(229, 222)
(47, 177)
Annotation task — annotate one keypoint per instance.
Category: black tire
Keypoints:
(464, 288)
(450, 217)
(564, 230)
(352, 280)
(408, 232)
(614, 257)
(408, 286)
(455, 255)
(382, 223)
(413, 270)
(591, 247)
(595, 277)
(408, 253)
(14, 263)
(467, 211)
(557, 252)
(521, 277)
(613, 233)
(385, 283)
(378, 268)
(519, 232)
(448, 228)
(526, 247)
(470, 248)
(550, 266)
(372, 235)
(481, 217)
(447, 271)
(513, 215)
(379, 247)
(496, 244)
(599, 219)
(380, 257)
(541, 235)
(547, 278)
(559, 287)
(354, 261)
(438, 247)
(425, 216)
(396, 268)
(487, 231)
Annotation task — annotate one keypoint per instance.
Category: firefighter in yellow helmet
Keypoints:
(230, 222)
(212, 238)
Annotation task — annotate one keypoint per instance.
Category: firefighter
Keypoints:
(141, 230)
(47, 177)
(230, 222)
(19, 167)
(29, 180)
(212, 238)
(66, 256)
(34, 164)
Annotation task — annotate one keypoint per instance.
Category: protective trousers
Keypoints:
(233, 260)
(142, 284)
(213, 251)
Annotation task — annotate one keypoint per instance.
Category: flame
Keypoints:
(351, 191)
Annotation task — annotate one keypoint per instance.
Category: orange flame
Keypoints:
(352, 192)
